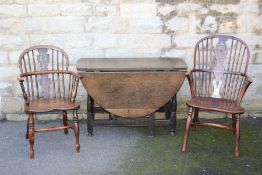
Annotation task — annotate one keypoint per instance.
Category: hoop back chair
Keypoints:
(47, 85)
(218, 82)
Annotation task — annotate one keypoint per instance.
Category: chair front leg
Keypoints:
(234, 123)
(31, 134)
(195, 119)
(188, 125)
(237, 135)
(76, 129)
(64, 115)
(27, 128)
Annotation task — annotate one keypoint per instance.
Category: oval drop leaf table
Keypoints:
(131, 87)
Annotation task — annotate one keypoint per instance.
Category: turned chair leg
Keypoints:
(195, 119)
(234, 123)
(188, 125)
(237, 136)
(64, 115)
(76, 129)
(27, 128)
(31, 134)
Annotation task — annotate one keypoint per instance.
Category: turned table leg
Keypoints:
(152, 125)
(173, 115)
(90, 115)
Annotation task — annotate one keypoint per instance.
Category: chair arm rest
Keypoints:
(21, 80)
(244, 88)
(190, 81)
(75, 86)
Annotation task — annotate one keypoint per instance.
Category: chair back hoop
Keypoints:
(44, 69)
(221, 62)
(43, 57)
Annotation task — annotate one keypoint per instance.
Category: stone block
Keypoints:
(79, 41)
(225, 8)
(145, 25)
(48, 39)
(14, 56)
(139, 53)
(64, 24)
(9, 42)
(12, 105)
(75, 54)
(107, 10)
(9, 73)
(175, 53)
(191, 8)
(209, 25)
(16, 117)
(109, 53)
(6, 89)
(177, 25)
(3, 57)
(227, 25)
(34, 24)
(76, 9)
(111, 24)
(13, 10)
(6, 1)
(166, 10)
(43, 9)
(183, 41)
(49, 116)
(144, 41)
(105, 41)
(138, 9)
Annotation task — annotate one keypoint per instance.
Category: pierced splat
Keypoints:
(218, 68)
(44, 80)
(218, 82)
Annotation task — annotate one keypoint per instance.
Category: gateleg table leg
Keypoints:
(151, 125)
(173, 115)
(90, 115)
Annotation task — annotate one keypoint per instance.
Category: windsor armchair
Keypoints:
(218, 82)
(47, 85)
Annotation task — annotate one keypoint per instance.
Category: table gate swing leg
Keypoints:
(173, 115)
(90, 115)
(151, 125)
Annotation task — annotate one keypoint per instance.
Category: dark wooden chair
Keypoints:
(218, 82)
(47, 85)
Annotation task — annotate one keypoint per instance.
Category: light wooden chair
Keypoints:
(218, 82)
(47, 85)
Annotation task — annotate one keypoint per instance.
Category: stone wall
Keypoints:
(123, 28)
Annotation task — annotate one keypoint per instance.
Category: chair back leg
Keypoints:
(237, 135)
(64, 115)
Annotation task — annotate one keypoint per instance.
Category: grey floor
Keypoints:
(55, 153)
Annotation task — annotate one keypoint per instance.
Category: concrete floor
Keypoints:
(129, 150)
(55, 153)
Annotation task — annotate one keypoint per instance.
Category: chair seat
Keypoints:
(50, 105)
(216, 104)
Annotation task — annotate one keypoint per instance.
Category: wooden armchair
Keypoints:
(48, 86)
(218, 82)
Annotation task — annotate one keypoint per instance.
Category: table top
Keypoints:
(130, 64)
